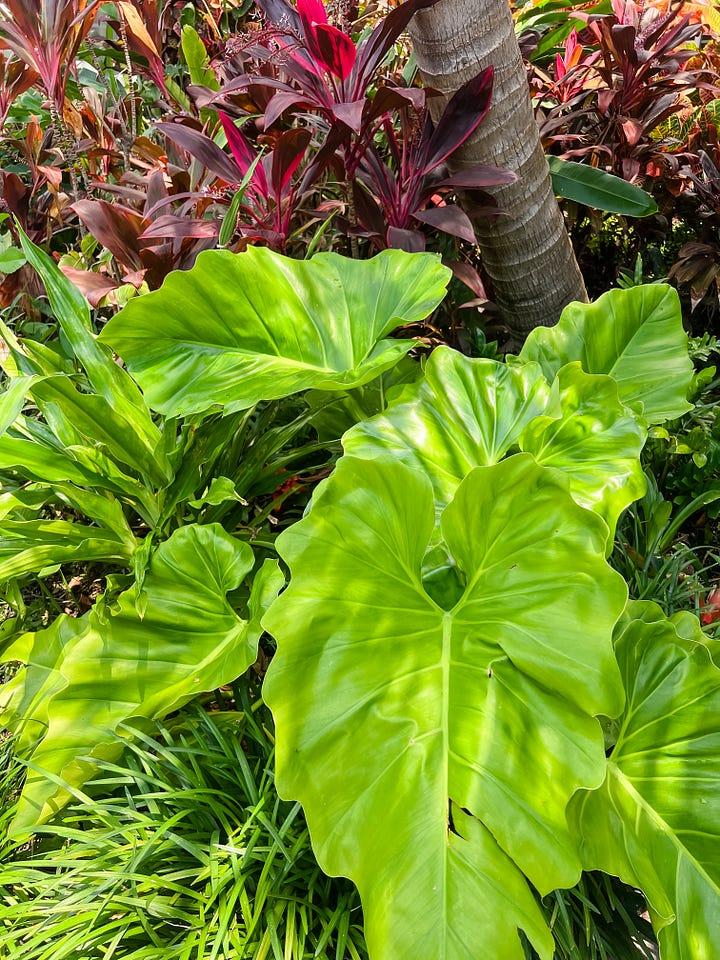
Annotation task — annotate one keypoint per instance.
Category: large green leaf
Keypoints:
(469, 413)
(85, 677)
(595, 443)
(464, 414)
(599, 189)
(635, 336)
(239, 328)
(435, 745)
(26, 546)
(656, 820)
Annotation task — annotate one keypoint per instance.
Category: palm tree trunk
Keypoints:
(526, 252)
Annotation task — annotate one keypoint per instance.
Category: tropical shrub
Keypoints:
(455, 656)
(451, 609)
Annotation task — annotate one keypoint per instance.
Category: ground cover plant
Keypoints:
(476, 584)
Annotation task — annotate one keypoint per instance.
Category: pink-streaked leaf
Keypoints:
(312, 11)
(336, 49)
(287, 155)
(412, 241)
(245, 154)
(239, 145)
(117, 228)
(171, 226)
(449, 219)
(460, 118)
(350, 114)
(203, 149)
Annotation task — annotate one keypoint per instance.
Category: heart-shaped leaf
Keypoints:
(469, 413)
(635, 336)
(239, 328)
(435, 745)
(464, 414)
(595, 443)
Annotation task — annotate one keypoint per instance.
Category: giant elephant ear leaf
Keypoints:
(655, 822)
(593, 441)
(239, 328)
(84, 677)
(435, 745)
(466, 413)
(635, 336)
(469, 413)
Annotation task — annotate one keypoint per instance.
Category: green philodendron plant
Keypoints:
(455, 655)
(465, 703)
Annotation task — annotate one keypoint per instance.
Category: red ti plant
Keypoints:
(629, 77)
(378, 139)
(698, 262)
(271, 191)
(394, 195)
(15, 78)
(311, 65)
(46, 35)
(572, 68)
(146, 244)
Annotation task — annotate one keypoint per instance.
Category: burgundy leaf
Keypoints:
(157, 193)
(271, 237)
(203, 149)
(393, 98)
(116, 227)
(449, 219)
(477, 176)
(336, 49)
(94, 286)
(280, 13)
(350, 114)
(170, 226)
(469, 276)
(633, 130)
(279, 103)
(287, 156)
(460, 118)
(412, 241)
(367, 210)
(16, 194)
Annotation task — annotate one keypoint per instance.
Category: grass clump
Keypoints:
(182, 852)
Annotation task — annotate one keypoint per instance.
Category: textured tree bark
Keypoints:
(526, 252)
